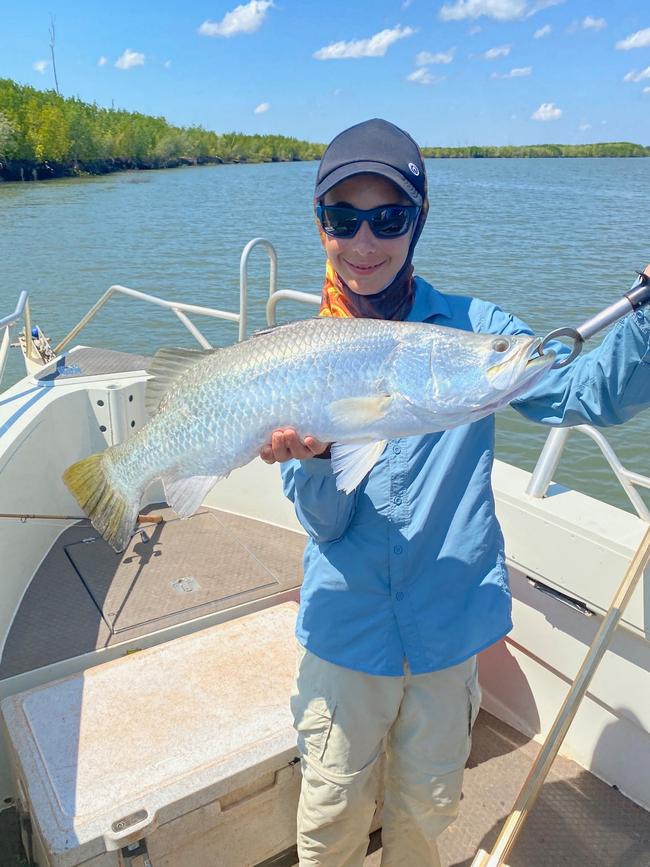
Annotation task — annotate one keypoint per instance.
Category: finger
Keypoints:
(266, 453)
(296, 448)
(315, 446)
(280, 450)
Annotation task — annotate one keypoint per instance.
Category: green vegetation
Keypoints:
(604, 149)
(45, 135)
(42, 131)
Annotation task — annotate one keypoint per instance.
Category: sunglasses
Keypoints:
(386, 221)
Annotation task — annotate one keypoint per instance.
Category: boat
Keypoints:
(82, 626)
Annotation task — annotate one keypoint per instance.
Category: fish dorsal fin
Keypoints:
(351, 462)
(168, 364)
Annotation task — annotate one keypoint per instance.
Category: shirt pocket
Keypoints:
(312, 719)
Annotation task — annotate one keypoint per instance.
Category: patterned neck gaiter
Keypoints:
(393, 302)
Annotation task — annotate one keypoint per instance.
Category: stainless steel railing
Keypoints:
(181, 309)
(549, 459)
(21, 313)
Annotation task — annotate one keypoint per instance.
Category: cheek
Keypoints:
(333, 248)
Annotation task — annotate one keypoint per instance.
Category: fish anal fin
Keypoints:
(351, 462)
(186, 493)
(167, 366)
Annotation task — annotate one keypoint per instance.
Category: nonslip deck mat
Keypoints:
(58, 617)
(88, 361)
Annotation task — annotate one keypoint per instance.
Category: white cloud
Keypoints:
(423, 76)
(590, 23)
(40, 65)
(493, 53)
(500, 10)
(246, 18)
(374, 46)
(542, 32)
(167, 64)
(638, 76)
(547, 111)
(129, 59)
(518, 72)
(424, 58)
(646, 90)
(584, 127)
(262, 107)
(102, 61)
(640, 39)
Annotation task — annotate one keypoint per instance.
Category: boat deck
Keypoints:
(84, 596)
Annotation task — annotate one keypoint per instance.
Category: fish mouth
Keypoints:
(520, 366)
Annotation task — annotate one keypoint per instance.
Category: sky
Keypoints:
(490, 72)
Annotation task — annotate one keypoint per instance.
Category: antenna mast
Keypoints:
(52, 41)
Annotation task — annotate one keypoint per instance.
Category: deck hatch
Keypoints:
(169, 571)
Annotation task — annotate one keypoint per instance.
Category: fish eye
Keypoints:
(500, 344)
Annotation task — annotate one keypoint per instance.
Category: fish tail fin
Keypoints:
(112, 512)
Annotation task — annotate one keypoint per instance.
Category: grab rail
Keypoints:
(181, 309)
(21, 312)
(549, 458)
(177, 307)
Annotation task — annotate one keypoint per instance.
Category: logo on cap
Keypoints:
(414, 169)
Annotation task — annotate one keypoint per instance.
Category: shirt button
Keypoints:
(398, 501)
(399, 596)
(396, 450)
(398, 549)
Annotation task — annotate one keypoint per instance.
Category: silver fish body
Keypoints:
(353, 382)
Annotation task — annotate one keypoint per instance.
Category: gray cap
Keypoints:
(374, 147)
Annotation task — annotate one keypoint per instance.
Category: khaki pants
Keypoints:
(345, 719)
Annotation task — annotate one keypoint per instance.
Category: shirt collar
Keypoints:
(428, 303)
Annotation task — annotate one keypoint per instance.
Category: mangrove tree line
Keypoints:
(45, 135)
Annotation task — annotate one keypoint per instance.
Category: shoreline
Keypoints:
(26, 171)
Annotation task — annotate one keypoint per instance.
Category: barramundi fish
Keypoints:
(355, 383)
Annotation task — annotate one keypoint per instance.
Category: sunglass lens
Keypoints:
(339, 222)
(390, 222)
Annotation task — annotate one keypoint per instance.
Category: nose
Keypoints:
(364, 242)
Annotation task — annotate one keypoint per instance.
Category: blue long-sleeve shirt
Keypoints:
(411, 564)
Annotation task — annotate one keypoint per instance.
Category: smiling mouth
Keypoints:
(364, 269)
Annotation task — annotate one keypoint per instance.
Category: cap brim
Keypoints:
(365, 168)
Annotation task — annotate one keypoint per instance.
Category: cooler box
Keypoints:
(182, 755)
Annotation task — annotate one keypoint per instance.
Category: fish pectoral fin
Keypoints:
(358, 411)
(351, 462)
(167, 366)
(186, 493)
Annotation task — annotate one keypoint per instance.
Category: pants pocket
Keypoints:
(312, 719)
(473, 700)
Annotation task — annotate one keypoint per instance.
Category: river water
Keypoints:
(551, 240)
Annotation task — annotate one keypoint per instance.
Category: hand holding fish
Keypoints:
(286, 445)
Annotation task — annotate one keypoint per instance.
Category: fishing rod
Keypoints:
(633, 299)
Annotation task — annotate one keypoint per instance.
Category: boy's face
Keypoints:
(366, 263)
